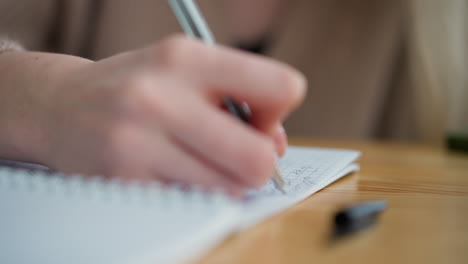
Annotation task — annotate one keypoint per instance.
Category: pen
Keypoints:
(358, 217)
(195, 26)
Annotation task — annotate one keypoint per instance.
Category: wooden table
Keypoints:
(427, 191)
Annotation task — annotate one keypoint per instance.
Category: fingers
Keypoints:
(176, 106)
(281, 140)
(160, 157)
(270, 88)
(219, 138)
(179, 165)
(208, 175)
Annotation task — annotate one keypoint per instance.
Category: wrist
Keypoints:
(26, 89)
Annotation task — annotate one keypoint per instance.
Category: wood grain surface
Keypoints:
(426, 222)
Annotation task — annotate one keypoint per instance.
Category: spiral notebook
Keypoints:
(55, 219)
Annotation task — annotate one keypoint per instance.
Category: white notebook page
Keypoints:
(49, 219)
(305, 171)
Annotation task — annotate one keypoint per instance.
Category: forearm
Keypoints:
(27, 80)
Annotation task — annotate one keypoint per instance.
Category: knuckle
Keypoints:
(144, 100)
(133, 97)
(160, 106)
(173, 50)
(154, 103)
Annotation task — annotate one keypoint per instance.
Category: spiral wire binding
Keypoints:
(98, 189)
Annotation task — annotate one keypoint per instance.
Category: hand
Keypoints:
(157, 113)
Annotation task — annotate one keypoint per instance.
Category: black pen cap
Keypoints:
(360, 212)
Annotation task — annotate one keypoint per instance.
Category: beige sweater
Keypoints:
(354, 53)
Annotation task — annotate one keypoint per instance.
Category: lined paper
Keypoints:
(305, 171)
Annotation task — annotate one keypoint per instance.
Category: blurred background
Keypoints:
(388, 69)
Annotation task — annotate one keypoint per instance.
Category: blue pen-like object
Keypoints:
(358, 217)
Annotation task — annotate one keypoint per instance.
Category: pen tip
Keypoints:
(282, 190)
(278, 181)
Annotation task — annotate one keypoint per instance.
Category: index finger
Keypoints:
(272, 89)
